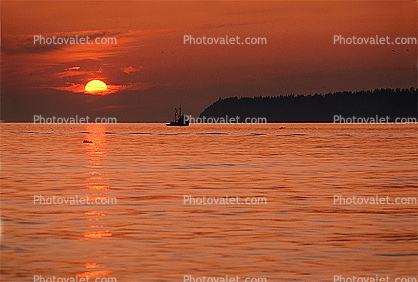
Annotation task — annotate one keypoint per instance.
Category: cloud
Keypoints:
(73, 69)
(71, 87)
(111, 88)
(25, 44)
(228, 25)
(76, 71)
(131, 69)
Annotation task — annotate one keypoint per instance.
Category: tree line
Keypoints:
(319, 107)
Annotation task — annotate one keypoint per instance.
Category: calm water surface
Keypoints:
(151, 235)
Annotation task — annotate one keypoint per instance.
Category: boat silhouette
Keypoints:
(179, 118)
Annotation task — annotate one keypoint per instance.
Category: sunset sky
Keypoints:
(149, 71)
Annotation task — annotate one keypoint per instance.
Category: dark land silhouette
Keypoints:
(318, 107)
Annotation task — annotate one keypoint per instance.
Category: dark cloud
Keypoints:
(131, 69)
(24, 44)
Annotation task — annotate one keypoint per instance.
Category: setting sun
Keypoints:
(95, 86)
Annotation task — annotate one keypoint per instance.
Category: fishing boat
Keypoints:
(179, 118)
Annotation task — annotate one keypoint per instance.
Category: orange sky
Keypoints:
(151, 70)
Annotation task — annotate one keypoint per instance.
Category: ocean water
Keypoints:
(150, 233)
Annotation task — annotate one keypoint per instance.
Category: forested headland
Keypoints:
(319, 107)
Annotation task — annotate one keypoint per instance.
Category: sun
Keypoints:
(95, 85)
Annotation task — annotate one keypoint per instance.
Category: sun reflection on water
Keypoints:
(95, 183)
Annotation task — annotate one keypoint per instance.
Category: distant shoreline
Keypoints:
(204, 124)
(388, 104)
(379, 104)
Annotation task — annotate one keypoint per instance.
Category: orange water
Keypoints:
(151, 235)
